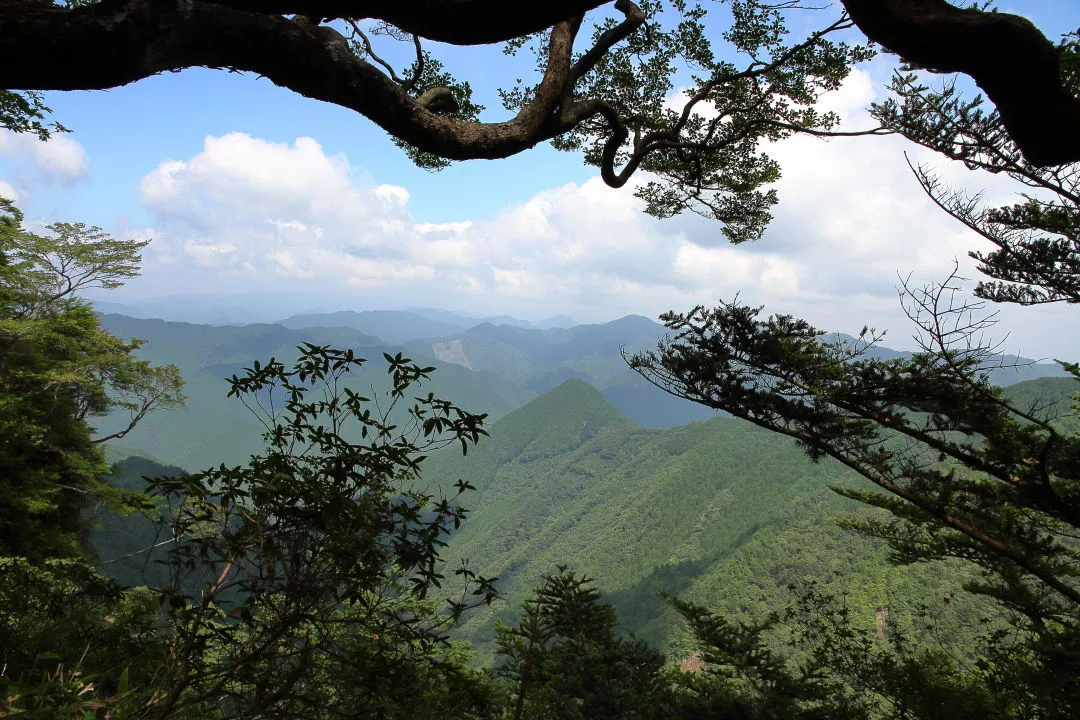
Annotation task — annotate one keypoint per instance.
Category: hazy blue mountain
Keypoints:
(488, 368)
(543, 359)
(212, 428)
(1004, 370)
(556, 321)
(1012, 369)
(393, 326)
(211, 309)
(525, 352)
(468, 320)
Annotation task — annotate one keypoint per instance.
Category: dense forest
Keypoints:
(393, 515)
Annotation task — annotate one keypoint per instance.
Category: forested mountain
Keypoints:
(719, 512)
(125, 546)
(536, 358)
(489, 368)
(212, 429)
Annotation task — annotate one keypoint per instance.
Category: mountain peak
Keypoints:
(556, 422)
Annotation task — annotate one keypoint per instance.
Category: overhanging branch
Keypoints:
(1006, 55)
(121, 41)
(458, 22)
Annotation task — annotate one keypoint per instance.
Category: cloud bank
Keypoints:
(246, 214)
(59, 161)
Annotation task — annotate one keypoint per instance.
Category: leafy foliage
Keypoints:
(966, 471)
(321, 547)
(721, 513)
(58, 370)
(564, 660)
(24, 111)
(702, 148)
(73, 644)
(1037, 243)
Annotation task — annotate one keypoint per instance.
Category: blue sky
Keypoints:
(252, 191)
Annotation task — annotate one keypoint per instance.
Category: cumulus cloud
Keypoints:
(255, 214)
(61, 160)
(258, 215)
(9, 192)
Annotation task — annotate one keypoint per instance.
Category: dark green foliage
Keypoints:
(888, 420)
(967, 471)
(968, 474)
(292, 586)
(703, 151)
(70, 640)
(23, 111)
(58, 370)
(310, 564)
(564, 660)
(131, 548)
(741, 676)
(890, 675)
(1036, 258)
(722, 513)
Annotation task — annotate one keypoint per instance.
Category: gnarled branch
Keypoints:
(458, 22)
(1006, 55)
(121, 41)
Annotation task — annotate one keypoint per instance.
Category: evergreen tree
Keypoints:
(966, 473)
(565, 660)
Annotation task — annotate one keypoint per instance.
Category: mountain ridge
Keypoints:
(721, 512)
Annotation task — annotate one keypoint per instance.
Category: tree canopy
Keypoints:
(633, 86)
(59, 370)
(964, 471)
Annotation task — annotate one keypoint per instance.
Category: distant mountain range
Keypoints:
(487, 367)
(718, 512)
(210, 309)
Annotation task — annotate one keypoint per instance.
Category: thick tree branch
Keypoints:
(1006, 55)
(634, 18)
(117, 42)
(458, 22)
(120, 41)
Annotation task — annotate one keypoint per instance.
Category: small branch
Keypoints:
(370, 51)
(634, 19)
(411, 84)
(139, 552)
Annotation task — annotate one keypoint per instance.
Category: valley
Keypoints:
(586, 466)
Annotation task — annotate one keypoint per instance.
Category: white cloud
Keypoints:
(9, 192)
(61, 160)
(258, 215)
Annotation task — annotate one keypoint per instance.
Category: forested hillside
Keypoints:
(416, 514)
(132, 549)
(718, 512)
(489, 369)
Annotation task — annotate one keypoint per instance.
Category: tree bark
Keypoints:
(458, 22)
(120, 41)
(1006, 55)
(115, 42)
